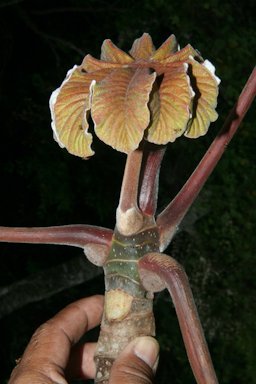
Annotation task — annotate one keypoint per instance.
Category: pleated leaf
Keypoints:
(183, 55)
(69, 106)
(111, 53)
(119, 107)
(205, 84)
(169, 47)
(169, 106)
(90, 64)
(143, 47)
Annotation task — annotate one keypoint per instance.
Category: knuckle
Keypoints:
(43, 331)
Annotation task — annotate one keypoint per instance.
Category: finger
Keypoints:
(50, 345)
(137, 363)
(81, 364)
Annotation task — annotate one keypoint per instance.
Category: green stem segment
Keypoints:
(128, 311)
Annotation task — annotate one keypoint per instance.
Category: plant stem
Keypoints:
(172, 215)
(129, 218)
(149, 178)
(73, 235)
(129, 189)
(128, 310)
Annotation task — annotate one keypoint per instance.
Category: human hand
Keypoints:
(52, 356)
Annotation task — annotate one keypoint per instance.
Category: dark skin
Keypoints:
(53, 356)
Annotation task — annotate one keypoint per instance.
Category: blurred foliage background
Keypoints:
(41, 184)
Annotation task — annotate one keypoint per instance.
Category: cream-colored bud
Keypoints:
(129, 222)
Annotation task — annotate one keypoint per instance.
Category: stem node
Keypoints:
(130, 221)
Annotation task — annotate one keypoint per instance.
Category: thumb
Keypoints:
(137, 363)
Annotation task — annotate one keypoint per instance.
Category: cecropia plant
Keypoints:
(151, 96)
(140, 101)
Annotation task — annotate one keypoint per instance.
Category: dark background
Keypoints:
(41, 184)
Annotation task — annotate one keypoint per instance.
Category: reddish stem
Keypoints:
(172, 215)
(149, 178)
(73, 235)
(166, 271)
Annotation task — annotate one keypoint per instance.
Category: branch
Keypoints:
(148, 189)
(73, 235)
(172, 215)
(45, 284)
(160, 271)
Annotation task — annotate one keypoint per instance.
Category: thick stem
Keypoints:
(172, 215)
(158, 271)
(128, 307)
(73, 235)
(149, 177)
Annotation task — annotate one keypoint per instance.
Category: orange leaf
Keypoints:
(111, 53)
(169, 47)
(205, 84)
(143, 47)
(183, 55)
(69, 105)
(119, 107)
(170, 106)
(90, 64)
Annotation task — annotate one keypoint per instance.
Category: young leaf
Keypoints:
(90, 64)
(119, 107)
(205, 84)
(69, 105)
(143, 47)
(170, 106)
(169, 47)
(111, 53)
(183, 55)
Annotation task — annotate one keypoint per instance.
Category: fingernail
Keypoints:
(147, 349)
